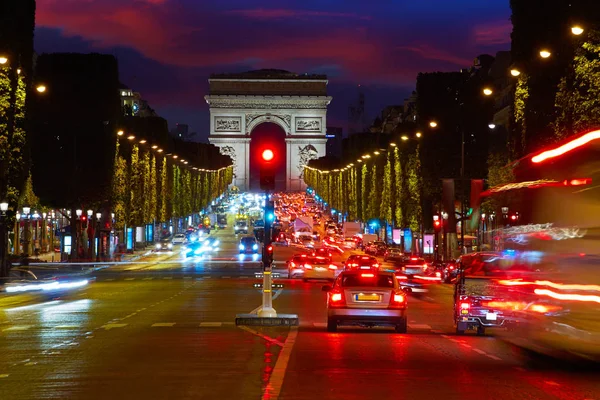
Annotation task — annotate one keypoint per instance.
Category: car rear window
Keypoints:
(248, 240)
(383, 281)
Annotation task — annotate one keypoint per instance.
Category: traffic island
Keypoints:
(256, 320)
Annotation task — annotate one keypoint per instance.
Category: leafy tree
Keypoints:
(399, 181)
(386, 194)
(578, 97)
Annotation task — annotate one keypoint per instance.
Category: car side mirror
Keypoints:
(326, 288)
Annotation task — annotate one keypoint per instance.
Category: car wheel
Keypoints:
(480, 331)
(460, 331)
(331, 325)
(402, 327)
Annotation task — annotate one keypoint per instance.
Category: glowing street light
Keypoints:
(418, 134)
(576, 30)
(545, 53)
(393, 144)
(433, 124)
(41, 88)
(404, 138)
(3, 60)
(142, 141)
(492, 126)
(515, 72)
(130, 137)
(120, 133)
(487, 91)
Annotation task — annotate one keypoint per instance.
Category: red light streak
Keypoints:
(554, 285)
(568, 296)
(565, 148)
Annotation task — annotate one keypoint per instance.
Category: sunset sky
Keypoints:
(167, 48)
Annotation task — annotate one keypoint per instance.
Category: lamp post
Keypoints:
(98, 236)
(89, 230)
(3, 240)
(25, 215)
(75, 235)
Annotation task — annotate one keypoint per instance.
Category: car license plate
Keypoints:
(320, 269)
(365, 267)
(367, 297)
(491, 316)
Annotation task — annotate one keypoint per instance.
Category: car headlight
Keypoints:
(242, 247)
(170, 246)
(254, 246)
(216, 243)
(158, 246)
(198, 251)
(235, 228)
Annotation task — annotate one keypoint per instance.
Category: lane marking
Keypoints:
(129, 279)
(109, 279)
(111, 326)
(445, 336)
(17, 328)
(210, 324)
(147, 279)
(168, 277)
(465, 345)
(552, 383)
(479, 351)
(66, 327)
(161, 324)
(419, 326)
(4, 375)
(455, 341)
(273, 388)
(493, 357)
(263, 336)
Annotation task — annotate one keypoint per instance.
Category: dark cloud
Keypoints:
(167, 48)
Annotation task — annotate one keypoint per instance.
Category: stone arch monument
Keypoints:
(297, 103)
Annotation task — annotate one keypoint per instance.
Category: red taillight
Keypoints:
(331, 266)
(292, 264)
(464, 308)
(367, 275)
(451, 267)
(413, 258)
(336, 299)
(375, 265)
(398, 299)
(306, 266)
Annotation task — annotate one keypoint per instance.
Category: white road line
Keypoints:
(147, 279)
(465, 345)
(479, 351)
(445, 336)
(129, 279)
(455, 341)
(273, 388)
(4, 375)
(494, 357)
(17, 328)
(163, 324)
(225, 277)
(552, 383)
(210, 324)
(109, 279)
(168, 277)
(419, 326)
(111, 326)
(66, 327)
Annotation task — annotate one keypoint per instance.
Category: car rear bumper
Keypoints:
(391, 316)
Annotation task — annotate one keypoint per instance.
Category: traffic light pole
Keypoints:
(267, 309)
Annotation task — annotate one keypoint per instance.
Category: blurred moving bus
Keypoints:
(549, 271)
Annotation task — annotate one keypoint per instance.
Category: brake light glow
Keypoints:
(565, 148)
(464, 308)
(307, 266)
(367, 275)
(401, 277)
(428, 278)
(336, 297)
(292, 264)
(413, 258)
(331, 266)
(399, 298)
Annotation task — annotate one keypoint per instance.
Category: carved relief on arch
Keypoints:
(253, 120)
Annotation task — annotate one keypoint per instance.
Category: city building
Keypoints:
(182, 131)
(133, 105)
(334, 137)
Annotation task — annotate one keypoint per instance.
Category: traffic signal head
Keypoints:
(267, 170)
(437, 225)
(268, 255)
(267, 155)
(269, 212)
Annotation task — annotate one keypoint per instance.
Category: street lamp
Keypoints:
(492, 126)
(98, 216)
(26, 210)
(3, 207)
(3, 60)
(545, 53)
(404, 138)
(120, 133)
(78, 212)
(576, 30)
(487, 91)
(3, 239)
(130, 137)
(90, 213)
(433, 124)
(418, 134)
(515, 72)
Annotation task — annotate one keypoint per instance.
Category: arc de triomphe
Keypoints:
(297, 103)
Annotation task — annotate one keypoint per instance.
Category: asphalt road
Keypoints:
(164, 329)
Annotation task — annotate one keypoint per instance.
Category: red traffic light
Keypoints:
(437, 225)
(270, 249)
(267, 155)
